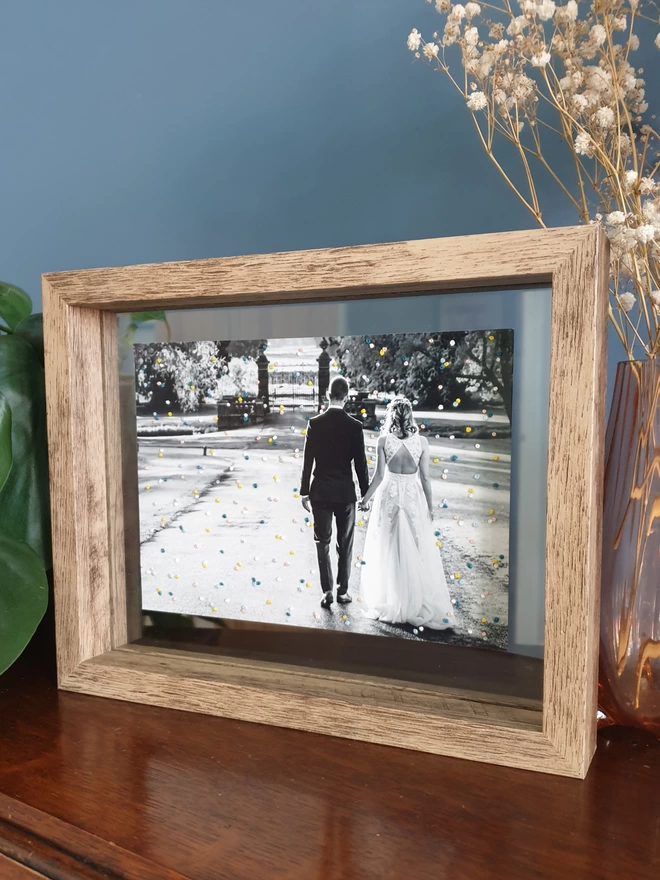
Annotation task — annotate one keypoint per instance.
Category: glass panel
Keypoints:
(222, 555)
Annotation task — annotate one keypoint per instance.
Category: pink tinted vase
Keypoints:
(629, 680)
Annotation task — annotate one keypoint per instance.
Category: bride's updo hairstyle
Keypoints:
(399, 418)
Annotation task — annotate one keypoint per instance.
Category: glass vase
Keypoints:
(629, 680)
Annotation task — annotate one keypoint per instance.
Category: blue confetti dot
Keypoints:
(501, 556)
(255, 485)
(445, 620)
(224, 516)
(469, 565)
(496, 485)
(262, 521)
(162, 549)
(496, 620)
(454, 458)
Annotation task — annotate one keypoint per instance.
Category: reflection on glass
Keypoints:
(231, 548)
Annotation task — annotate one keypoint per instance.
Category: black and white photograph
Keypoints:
(354, 483)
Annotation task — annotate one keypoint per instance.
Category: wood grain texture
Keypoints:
(11, 870)
(76, 441)
(120, 787)
(114, 480)
(451, 264)
(43, 846)
(574, 260)
(578, 366)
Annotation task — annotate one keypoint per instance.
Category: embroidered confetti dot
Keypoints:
(468, 430)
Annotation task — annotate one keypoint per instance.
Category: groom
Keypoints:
(334, 442)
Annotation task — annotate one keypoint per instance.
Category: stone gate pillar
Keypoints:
(323, 361)
(263, 379)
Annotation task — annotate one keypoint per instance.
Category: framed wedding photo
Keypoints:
(353, 491)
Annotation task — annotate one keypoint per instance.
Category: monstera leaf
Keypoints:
(5, 441)
(24, 496)
(23, 597)
(24, 520)
(15, 304)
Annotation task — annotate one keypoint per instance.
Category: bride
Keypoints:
(403, 580)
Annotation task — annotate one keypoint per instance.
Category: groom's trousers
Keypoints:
(344, 515)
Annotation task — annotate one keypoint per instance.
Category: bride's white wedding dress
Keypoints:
(403, 580)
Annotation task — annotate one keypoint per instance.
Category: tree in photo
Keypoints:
(431, 369)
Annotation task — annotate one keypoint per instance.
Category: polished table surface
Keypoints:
(93, 788)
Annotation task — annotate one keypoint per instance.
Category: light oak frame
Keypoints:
(93, 653)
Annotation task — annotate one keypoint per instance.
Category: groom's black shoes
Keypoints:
(327, 599)
(344, 599)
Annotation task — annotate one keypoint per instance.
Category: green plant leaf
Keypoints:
(24, 512)
(23, 597)
(5, 440)
(145, 317)
(15, 304)
(32, 330)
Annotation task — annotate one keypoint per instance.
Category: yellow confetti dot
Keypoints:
(169, 414)
(161, 454)
(382, 351)
(214, 608)
(471, 491)
(438, 543)
(271, 367)
(163, 519)
(304, 432)
(211, 451)
(278, 537)
(292, 552)
(240, 400)
(195, 492)
(363, 412)
(147, 487)
(457, 576)
(308, 585)
(215, 418)
(496, 458)
(491, 512)
(494, 561)
(468, 430)
(446, 364)
(217, 501)
(208, 530)
(269, 601)
(176, 577)
(239, 485)
(360, 522)
(205, 565)
(483, 620)
(491, 339)
(458, 400)
(276, 478)
(310, 382)
(297, 495)
(213, 358)
(344, 617)
(239, 564)
(192, 387)
(158, 361)
(436, 460)
(270, 439)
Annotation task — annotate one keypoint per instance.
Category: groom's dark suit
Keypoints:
(334, 443)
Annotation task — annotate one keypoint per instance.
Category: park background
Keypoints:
(220, 434)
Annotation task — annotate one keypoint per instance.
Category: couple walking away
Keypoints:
(402, 579)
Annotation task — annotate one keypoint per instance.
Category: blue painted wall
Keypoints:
(178, 129)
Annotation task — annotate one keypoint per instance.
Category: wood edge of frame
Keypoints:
(78, 485)
(404, 268)
(579, 319)
(140, 682)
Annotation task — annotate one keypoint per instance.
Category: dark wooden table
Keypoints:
(93, 788)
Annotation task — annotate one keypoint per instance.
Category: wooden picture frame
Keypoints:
(93, 651)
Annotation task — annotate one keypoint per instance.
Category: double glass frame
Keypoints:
(549, 286)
